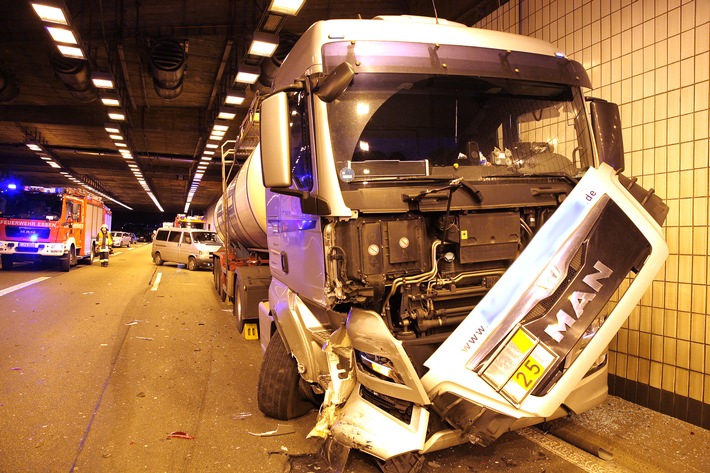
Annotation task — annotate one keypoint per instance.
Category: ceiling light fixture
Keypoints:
(111, 100)
(71, 51)
(62, 35)
(227, 113)
(50, 14)
(247, 74)
(286, 7)
(263, 44)
(235, 97)
(112, 127)
(103, 80)
(116, 114)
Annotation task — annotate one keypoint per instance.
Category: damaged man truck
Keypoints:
(451, 240)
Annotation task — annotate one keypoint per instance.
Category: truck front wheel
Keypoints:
(279, 394)
(68, 260)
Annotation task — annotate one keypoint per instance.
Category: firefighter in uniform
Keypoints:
(104, 243)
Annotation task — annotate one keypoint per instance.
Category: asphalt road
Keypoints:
(99, 366)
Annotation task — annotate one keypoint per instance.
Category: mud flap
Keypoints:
(534, 336)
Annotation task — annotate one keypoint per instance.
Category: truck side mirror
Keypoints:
(275, 141)
(335, 83)
(606, 126)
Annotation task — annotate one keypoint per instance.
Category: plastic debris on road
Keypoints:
(282, 429)
(180, 435)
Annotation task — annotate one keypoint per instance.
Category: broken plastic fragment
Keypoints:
(241, 416)
(282, 429)
(342, 381)
(180, 435)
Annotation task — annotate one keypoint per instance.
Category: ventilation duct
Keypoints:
(8, 88)
(167, 66)
(76, 76)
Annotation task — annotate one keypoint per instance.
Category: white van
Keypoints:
(190, 246)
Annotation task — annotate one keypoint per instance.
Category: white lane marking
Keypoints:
(17, 287)
(157, 281)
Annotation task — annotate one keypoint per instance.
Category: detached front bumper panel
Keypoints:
(530, 341)
(530, 359)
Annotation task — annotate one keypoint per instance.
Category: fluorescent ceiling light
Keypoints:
(116, 115)
(235, 97)
(223, 126)
(116, 137)
(286, 7)
(263, 44)
(120, 144)
(216, 137)
(62, 35)
(71, 51)
(208, 153)
(212, 145)
(102, 80)
(50, 14)
(248, 74)
(227, 113)
(34, 147)
(111, 101)
(54, 165)
(112, 128)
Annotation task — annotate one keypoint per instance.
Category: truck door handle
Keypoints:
(284, 262)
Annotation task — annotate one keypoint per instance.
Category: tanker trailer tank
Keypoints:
(241, 271)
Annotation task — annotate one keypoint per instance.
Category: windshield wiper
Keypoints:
(556, 175)
(441, 178)
(452, 186)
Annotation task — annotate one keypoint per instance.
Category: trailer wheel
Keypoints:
(6, 262)
(279, 394)
(216, 273)
(157, 259)
(237, 306)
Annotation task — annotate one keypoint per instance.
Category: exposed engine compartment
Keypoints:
(425, 271)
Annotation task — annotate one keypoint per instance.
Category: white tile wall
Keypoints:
(652, 57)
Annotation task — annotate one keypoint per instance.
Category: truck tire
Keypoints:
(279, 394)
(216, 273)
(191, 263)
(238, 305)
(65, 263)
(157, 259)
(6, 262)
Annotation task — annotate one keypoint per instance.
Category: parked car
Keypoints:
(121, 239)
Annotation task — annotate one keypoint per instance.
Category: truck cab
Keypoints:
(448, 231)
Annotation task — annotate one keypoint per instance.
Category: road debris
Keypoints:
(180, 435)
(282, 429)
(241, 416)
